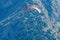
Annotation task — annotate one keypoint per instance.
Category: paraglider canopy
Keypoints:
(34, 7)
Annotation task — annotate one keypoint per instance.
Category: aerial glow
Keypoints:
(34, 7)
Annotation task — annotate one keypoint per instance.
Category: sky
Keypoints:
(58, 2)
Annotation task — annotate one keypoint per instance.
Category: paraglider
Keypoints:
(34, 7)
